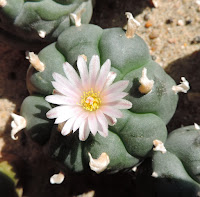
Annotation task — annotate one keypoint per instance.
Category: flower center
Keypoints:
(90, 100)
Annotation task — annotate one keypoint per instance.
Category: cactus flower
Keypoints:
(89, 102)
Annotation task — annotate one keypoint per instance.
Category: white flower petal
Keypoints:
(110, 78)
(71, 74)
(112, 112)
(83, 70)
(63, 112)
(103, 124)
(60, 88)
(82, 108)
(64, 90)
(84, 130)
(111, 121)
(57, 111)
(105, 69)
(79, 120)
(103, 134)
(75, 111)
(113, 97)
(121, 104)
(68, 126)
(61, 100)
(92, 121)
(66, 83)
(59, 78)
(94, 68)
(63, 118)
(116, 87)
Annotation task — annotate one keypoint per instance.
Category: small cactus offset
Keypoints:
(29, 23)
(177, 171)
(110, 100)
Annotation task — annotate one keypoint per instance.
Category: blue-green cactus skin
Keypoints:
(178, 168)
(143, 123)
(21, 21)
(34, 109)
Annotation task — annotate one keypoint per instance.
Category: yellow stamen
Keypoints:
(90, 100)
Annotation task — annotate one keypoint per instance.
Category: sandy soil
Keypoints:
(171, 30)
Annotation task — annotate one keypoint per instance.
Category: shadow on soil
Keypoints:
(111, 13)
(188, 108)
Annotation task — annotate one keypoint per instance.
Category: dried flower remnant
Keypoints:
(154, 174)
(42, 34)
(100, 164)
(159, 146)
(134, 169)
(154, 3)
(77, 17)
(57, 178)
(35, 61)
(17, 125)
(196, 126)
(89, 102)
(3, 3)
(146, 84)
(182, 87)
(131, 26)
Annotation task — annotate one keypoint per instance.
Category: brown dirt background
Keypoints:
(169, 44)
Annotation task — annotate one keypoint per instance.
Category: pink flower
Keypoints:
(89, 102)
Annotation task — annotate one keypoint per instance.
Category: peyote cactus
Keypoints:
(177, 171)
(91, 101)
(30, 23)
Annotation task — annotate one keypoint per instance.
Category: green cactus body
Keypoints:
(185, 144)
(37, 21)
(131, 139)
(34, 109)
(8, 180)
(179, 167)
